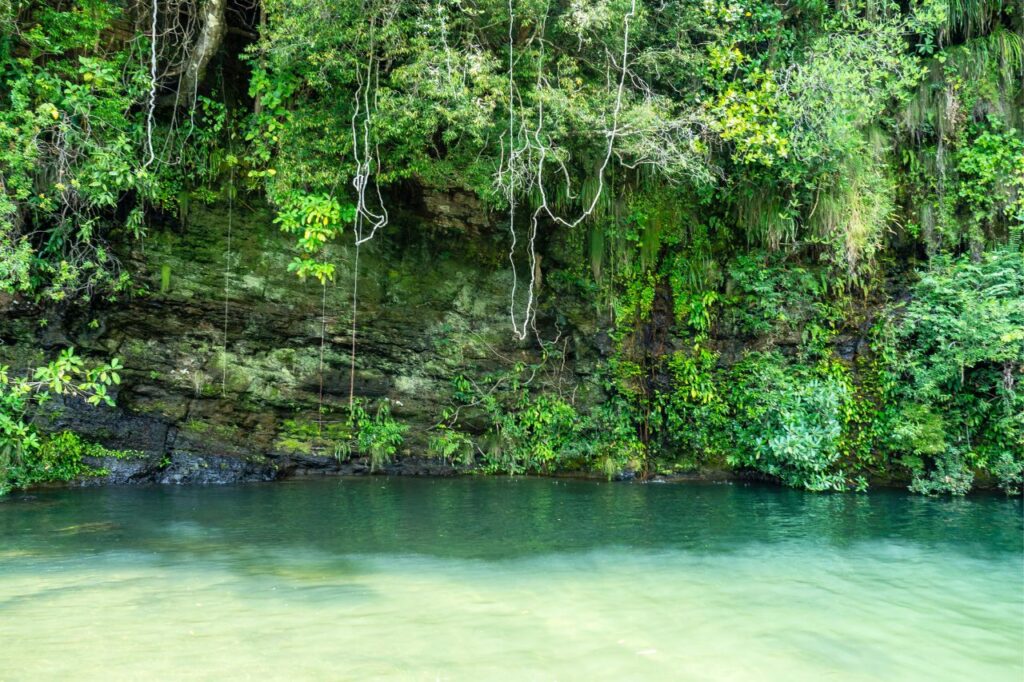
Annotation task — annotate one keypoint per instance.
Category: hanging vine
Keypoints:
(227, 282)
(315, 219)
(366, 156)
(536, 150)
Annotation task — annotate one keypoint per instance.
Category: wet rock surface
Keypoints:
(222, 382)
(222, 378)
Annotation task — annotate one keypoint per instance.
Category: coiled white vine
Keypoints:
(534, 145)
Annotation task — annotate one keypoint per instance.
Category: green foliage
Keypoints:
(854, 208)
(61, 457)
(76, 172)
(695, 408)
(751, 171)
(534, 435)
(960, 158)
(427, 86)
(787, 421)
(452, 445)
(527, 433)
(533, 430)
(766, 160)
(371, 433)
(315, 219)
(315, 437)
(769, 297)
(26, 456)
(936, 401)
(378, 435)
(990, 172)
(950, 474)
(960, 359)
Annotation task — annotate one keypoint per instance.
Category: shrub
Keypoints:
(959, 359)
(26, 456)
(378, 436)
(787, 421)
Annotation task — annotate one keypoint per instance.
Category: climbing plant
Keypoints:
(28, 456)
(780, 238)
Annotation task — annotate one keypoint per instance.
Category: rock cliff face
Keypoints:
(222, 344)
(226, 387)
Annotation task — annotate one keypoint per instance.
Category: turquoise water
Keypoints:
(508, 579)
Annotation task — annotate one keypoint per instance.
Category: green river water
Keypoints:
(508, 579)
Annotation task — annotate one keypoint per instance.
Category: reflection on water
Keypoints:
(508, 579)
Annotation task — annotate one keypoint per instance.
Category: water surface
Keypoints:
(508, 579)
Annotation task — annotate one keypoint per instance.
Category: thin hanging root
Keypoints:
(366, 154)
(368, 167)
(352, 357)
(323, 335)
(537, 144)
(151, 111)
(513, 155)
(227, 283)
(611, 135)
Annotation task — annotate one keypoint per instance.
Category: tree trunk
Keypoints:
(214, 26)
